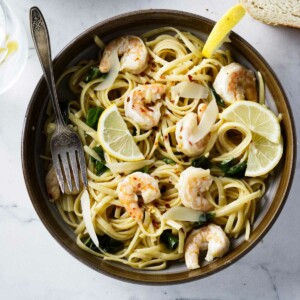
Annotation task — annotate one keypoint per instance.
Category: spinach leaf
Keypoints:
(106, 244)
(93, 73)
(93, 116)
(219, 100)
(100, 167)
(168, 161)
(226, 164)
(204, 219)
(238, 171)
(201, 162)
(170, 240)
(233, 170)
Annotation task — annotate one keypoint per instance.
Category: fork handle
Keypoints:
(40, 36)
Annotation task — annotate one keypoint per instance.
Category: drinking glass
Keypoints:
(13, 47)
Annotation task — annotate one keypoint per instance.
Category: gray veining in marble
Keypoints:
(34, 266)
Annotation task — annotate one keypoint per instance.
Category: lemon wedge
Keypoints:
(222, 28)
(115, 137)
(263, 156)
(258, 118)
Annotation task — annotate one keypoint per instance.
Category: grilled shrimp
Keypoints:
(53, 188)
(185, 129)
(142, 105)
(135, 185)
(192, 184)
(211, 238)
(133, 51)
(52, 184)
(234, 82)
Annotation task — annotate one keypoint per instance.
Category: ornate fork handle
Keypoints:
(41, 41)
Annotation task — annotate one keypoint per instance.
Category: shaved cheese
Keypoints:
(86, 213)
(187, 89)
(112, 74)
(128, 167)
(179, 213)
(207, 121)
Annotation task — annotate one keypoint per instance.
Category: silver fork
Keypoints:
(66, 148)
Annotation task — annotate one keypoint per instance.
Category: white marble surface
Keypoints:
(34, 266)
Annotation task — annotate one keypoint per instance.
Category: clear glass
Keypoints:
(13, 47)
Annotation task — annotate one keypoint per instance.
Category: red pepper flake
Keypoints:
(167, 205)
(128, 99)
(142, 110)
(190, 143)
(181, 128)
(155, 224)
(166, 137)
(172, 101)
(190, 78)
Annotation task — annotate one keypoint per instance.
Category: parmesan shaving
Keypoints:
(112, 74)
(207, 121)
(86, 213)
(179, 213)
(187, 89)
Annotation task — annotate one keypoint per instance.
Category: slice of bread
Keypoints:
(275, 12)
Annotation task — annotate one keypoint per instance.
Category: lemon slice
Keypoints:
(115, 137)
(263, 156)
(222, 28)
(258, 118)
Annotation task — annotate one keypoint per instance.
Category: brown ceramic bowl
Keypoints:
(33, 144)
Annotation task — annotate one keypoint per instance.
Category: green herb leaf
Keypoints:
(168, 161)
(106, 244)
(99, 150)
(93, 74)
(93, 116)
(238, 171)
(201, 162)
(100, 167)
(170, 240)
(204, 219)
(219, 100)
(110, 245)
(226, 164)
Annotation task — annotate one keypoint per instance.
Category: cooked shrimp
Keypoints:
(142, 105)
(133, 51)
(52, 184)
(185, 129)
(211, 238)
(53, 187)
(192, 184)
(234, 82)
(135, 185)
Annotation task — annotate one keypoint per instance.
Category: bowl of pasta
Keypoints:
(189, 158)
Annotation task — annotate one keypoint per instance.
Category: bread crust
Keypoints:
(255, 7)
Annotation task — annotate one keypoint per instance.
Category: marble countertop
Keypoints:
(34, 266)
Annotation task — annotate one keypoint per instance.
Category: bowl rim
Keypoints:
(24, 153)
